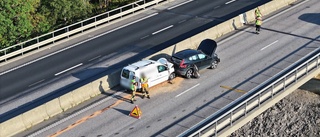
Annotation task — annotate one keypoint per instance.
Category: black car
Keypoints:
(203, 57)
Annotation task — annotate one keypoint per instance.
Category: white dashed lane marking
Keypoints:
(144, 37)
(230, 1)
(269, 45)
(68, 69)
(182, 21)
(216, 7)
(188, 90)
(179, 5)
(162, 29)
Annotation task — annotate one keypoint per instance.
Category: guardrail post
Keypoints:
(38, 42)
(108, 17)
(21, 46)
(231, 118)
(272, 89)
(68, 31)
(144, 2)
(53, 36)
(121, 11)
(215, 129)
(245, 109)
(5, 53)
(307, 68)
(95, 20)
(284, 83)
(295, 76)
(81, 26)
(318, 62)
(259, 99)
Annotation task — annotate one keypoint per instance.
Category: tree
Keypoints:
(65, 11)
(18, 20)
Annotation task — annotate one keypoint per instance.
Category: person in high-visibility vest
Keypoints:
(133, 86)
(257, 13)
(145, 86)
(258, 24)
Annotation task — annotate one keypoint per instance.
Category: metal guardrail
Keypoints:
(76, 28)
(251, 101)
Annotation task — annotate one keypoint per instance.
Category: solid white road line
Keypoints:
(188, 90)
(179, 5)
(269, 45)
(2, 73)
(36, 83)
(68, 69)
(230, 1)
(162, 29)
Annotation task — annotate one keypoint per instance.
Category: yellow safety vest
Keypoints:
(258, 22)
(257, 12)
(133, 84)
(144, 82)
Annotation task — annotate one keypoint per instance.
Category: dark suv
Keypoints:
(203, 57)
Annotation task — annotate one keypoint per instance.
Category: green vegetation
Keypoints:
(21, 20)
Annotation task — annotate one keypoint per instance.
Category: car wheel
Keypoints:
(189, 73)
(172, 76)
(214, 64)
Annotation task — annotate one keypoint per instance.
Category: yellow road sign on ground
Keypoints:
(136, 112)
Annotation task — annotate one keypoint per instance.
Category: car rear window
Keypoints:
(176, 60)
(125, 73)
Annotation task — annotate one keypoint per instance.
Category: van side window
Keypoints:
(125, 73)
(162, 68)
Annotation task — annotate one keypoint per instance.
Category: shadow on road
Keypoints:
(311, 18)
(312, 85)
(125, 112)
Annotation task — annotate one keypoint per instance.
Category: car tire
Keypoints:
(189, 73)
(214, 64)
(172, 76)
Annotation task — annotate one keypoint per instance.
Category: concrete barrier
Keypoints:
(12, 126)
(99, 86)
(53, 107)
(83, 93)
(35, 116)
(66, 101)
(56, 106)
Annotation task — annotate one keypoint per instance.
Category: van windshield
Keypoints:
(125, 73)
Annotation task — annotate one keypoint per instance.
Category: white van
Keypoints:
(156, 72)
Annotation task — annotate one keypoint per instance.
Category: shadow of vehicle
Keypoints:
(311, 18)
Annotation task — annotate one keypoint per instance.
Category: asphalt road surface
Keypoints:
(247, 59)
(38, 78)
